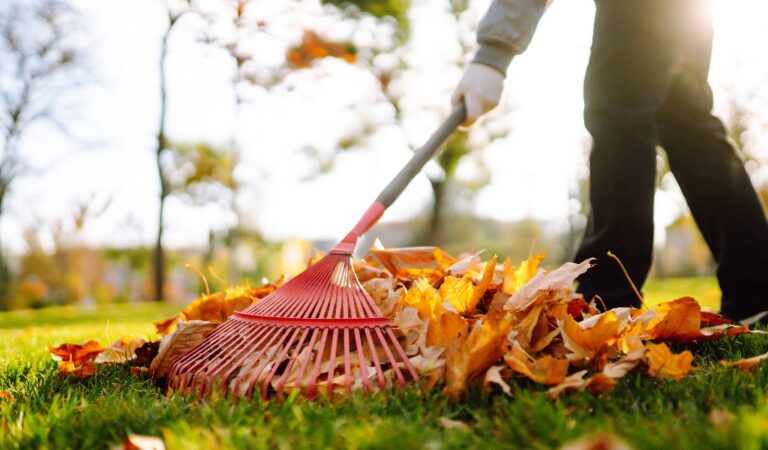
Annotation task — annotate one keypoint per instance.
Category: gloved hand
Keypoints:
(480, 87)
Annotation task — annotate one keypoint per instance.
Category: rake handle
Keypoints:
(421, 156)
(395, 187)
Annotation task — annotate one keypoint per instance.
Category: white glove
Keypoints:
(480, 87)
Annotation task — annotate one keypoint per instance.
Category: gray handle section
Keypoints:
(422, 155)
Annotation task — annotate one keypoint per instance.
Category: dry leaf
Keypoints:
(472, 356)
(546, 370)
(139, 442)
(493, 375)
(560, 279)
(120, 351)
(77, 359)
(599, 441)
(5, 395)
(746, 364)
(186, 336)
(662, 363)
(451, 424)
(590, 337)
(514, 279)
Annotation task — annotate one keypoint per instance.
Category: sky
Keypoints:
(533, 168)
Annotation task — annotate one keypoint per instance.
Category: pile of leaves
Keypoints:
(464, 320)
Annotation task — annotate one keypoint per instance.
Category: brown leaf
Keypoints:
(598, 441)
(186, 336)
(5, 395)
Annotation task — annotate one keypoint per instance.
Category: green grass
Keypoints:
(47, 411)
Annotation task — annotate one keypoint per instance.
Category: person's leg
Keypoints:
(713, 180)
(626, 83)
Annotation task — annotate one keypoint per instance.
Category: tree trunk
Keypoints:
(159, 255)
(435, 231)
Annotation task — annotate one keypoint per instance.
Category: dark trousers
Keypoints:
(646, 86)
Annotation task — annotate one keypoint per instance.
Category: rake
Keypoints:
(319, 332)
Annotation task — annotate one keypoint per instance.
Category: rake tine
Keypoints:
(273, 342)
(375, 358)
(363, 366)
(347, 362)
(277, 362)
(284, 377)
(318, 362)
(332, 360)
(392, 362)
(403, 356)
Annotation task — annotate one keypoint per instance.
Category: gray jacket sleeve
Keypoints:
(506, 30)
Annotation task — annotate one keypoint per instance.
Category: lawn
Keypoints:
(46, 411)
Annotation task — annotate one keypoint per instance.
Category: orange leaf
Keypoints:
(590, 337)
(681, 319)
(662, 363)
(472, 356)
(746, 364)
(447, 328)
(546, 370)
(76, 353)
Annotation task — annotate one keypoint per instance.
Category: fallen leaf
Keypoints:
(120, 351)
(746, 364)
(77, 359)
(545, 370)
(493, 375)
(186, 336)
(662, 363)
(590, 337)
(514, 279)
(598, 441)
(5, 395)
(139, 442)
(472, 356)
(560, 279)
(412, 262)
(451, 424)
(721, 419)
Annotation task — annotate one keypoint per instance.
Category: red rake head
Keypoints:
(320, 332)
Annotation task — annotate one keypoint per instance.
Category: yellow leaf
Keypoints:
(447, 328)
(514, 279)
(459, 292)
(424, 298)
(662, 363)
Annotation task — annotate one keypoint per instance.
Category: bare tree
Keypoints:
(174, 11)
(39, 61)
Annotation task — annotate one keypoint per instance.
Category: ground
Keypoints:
(716, 407)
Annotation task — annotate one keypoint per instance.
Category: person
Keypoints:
(645, 86)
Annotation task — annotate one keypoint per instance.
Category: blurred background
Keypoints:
(144, 141)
